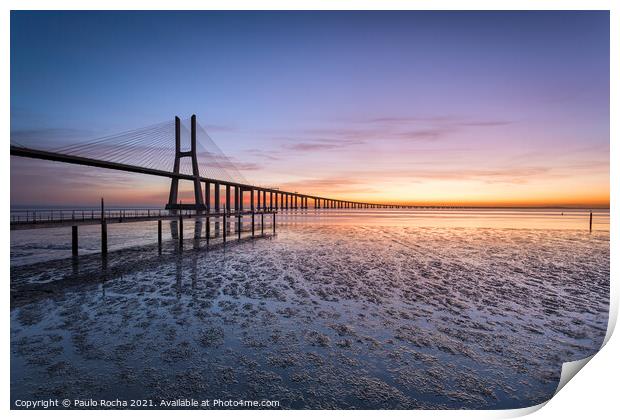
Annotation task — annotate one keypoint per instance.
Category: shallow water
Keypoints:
(397, 309)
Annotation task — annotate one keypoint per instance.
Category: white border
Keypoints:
(593, 394)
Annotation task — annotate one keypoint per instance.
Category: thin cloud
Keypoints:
(332, 185)
(396, 128)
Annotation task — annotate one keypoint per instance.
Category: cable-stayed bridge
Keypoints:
(179, 151)
(160, 150)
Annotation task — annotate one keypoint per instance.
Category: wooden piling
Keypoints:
(104, 237)
(252, 222)
(159, 233)
(181, 229)
(74, 241)
(273, 223)
(262, 224)
(590, 221)
(104, 230)
(208, 233)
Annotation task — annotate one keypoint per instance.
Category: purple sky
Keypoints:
(498, 108)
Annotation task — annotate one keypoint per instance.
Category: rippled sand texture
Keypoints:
(318, 317)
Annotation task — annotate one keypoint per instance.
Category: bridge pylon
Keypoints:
(199, 204)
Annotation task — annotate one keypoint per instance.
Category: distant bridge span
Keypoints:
(272, 199)
(318, 201)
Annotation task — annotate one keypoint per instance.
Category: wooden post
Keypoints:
(262, 223)
(252, 222)
(104, 237)
(104, 230)
(159, 233)
(181, 228)
(74, 241)
(273, 224)
(238, 226)
(590, 221)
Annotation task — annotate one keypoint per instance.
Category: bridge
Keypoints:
(219, 188)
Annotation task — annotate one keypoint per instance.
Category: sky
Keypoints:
(432, 108)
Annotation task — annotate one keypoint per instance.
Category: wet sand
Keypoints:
(319, 316)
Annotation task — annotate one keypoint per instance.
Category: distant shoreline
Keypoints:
(404, 207)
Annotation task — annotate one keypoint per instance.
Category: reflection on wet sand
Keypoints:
(319, 316)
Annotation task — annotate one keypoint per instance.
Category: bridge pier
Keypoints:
(208, 196)
(258, 199)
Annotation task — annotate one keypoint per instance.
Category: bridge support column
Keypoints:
(174, 184)
(264, 200)
(208, 196)
(74, 241)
